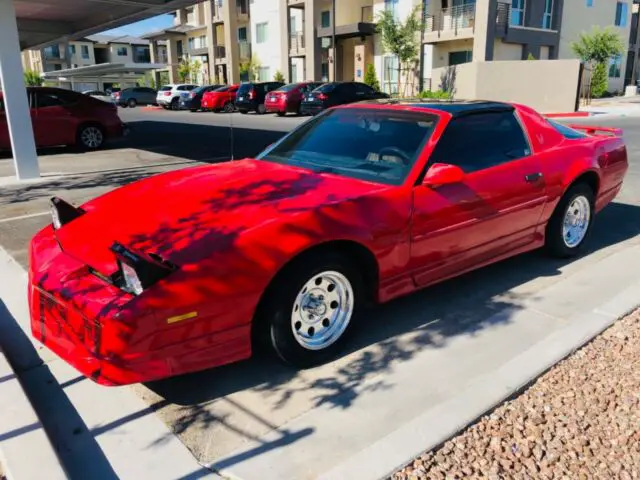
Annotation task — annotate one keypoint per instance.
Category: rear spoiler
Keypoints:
(599, 131)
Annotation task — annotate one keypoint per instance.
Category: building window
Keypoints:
(517, 12)
(292, 25)
(261, 32)
(263, 74)
(589, 3)
(622, 9)
(242, 34)
(85, 51)
(547, 16)
(457, 58)
(203, 41)
(179, 48)
(191, 43)
(122, 51)
(57, 66)
(390, 67)
(391, 6)
(325, 19)
(294, 72)
(615, 65)
(72, 48)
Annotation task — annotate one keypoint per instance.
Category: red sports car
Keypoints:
(287, 99)
(221, 99)
(364, 203)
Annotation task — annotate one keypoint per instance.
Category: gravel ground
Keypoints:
(580, 420)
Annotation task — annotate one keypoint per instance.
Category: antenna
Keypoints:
(231, 142)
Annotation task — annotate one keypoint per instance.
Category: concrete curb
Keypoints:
(25, 449)
(446, 420)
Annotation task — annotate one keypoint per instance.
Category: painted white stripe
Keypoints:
(24, 217)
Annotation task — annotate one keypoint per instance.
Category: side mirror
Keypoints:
(443, 174)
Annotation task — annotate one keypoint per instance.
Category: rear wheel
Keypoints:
(131, 103)
(570, 225)
(261, 109)
(280, 114)
(244, 112)
(228, 107)
(175, 104)
(90, 137)
(312, 309)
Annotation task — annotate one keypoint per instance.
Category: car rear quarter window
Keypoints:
(165, 88)
(327, 88)
(566, 131)
(481, 140)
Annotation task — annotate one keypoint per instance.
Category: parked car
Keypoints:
(169, 95)
(287, 99)
(337, 93)
(251, 96)
(99, 95)
(359, 205)
(115, 94)
(193, 100)
(65, 117)
(222, 99)
(131, 97)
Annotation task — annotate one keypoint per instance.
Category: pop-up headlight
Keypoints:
(63, 212)
(138, 271)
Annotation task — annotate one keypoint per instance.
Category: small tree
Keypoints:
(278, 77)
(599, 80)
(184, 70)
(249, 68)
(400, 38)
(194, 71)
(32, 78)
(530, 56)
(371, 77)
(598, 47)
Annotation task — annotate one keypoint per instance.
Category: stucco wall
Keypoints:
(113, 53)
(546, 85)
(577, 17)
(507, 51)
(268, 53)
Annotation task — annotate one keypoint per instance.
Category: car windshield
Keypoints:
(222, 89)
(165, 88)
(379, 145)
(288, 88)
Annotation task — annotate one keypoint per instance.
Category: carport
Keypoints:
(37, 23)
(114, 72)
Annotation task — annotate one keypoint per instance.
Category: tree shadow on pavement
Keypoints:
(393, 333)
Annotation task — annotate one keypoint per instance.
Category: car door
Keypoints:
(493, 211)
(364, 91)
(344, 93)
(149, 96)
(53, 122)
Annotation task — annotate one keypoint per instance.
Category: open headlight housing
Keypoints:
(138, 271)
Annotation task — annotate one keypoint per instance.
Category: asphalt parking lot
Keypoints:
(232, 415)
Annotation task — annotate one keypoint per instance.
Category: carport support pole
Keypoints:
(16, 105)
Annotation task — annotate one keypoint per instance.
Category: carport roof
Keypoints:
(102, 69)
(42, 22)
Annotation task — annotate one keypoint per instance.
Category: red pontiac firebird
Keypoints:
(364, 203)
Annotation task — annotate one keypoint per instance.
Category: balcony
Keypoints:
(451, 23)
(296, 44)
(220, 54)
(244, 50)
(53, 54)
(242, 9)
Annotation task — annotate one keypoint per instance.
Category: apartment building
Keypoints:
(213, 33)
(459, 31)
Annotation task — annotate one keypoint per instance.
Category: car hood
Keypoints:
(182, 215)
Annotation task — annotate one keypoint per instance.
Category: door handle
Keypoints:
(533, 177)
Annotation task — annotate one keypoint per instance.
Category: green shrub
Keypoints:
(599, 80)
(278, 76)
(437, 94)
(371, 77)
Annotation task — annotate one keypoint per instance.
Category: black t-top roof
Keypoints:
(455, 107)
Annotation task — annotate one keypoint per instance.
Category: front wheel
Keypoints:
(90, 137)
(570, 225)
(313, 309)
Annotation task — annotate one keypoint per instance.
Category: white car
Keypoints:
(169, 95)
(105, 97)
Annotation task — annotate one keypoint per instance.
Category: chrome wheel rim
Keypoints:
(228, 108)
(92, 137)
(576, 221)
(322, 310)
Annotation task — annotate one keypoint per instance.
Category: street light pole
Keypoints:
(333, 37)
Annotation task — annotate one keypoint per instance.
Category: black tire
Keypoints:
(90, 137)
(193, 110)
(280, 114)
(261, 109)
(166, 107)
(276, 316)
(175, 104)
(554, 236)
(228, 107)
(243, 112)
(132, 103)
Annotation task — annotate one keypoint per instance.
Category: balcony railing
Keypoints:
(219, 51)
(502, 18)
(451, 19)
(296, 42)
(50, 54)
(366, 14)
(244, 50)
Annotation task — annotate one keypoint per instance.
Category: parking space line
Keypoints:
(24, 217)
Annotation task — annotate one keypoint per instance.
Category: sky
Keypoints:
(145, 26)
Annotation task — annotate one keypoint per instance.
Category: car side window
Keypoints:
(481, 140)
(346, 90)
(44, 100)
(363, 89)
(1, 104)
